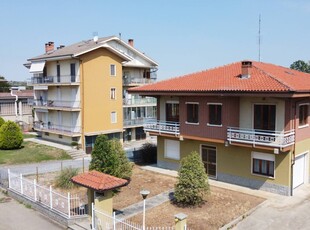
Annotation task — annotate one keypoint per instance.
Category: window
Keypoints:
(265, 117)
(72, 72)
(303, 114)
(113, 117)
(192, 112)
(58, 73)
(263, 164)
(215, 114)
(60, 136)
(172, 149)
(113, 94)
(112, 70)
(172, 112)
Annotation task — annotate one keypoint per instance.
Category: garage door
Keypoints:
(299, 171)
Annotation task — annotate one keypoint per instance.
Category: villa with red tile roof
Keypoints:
(248, 120)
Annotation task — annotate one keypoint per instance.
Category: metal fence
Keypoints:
(66, 204)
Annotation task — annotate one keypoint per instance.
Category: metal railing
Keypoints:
(55, 103)
(162, 127)
(137, 81)
(62, 129)
(261, 137)
(140, 101)
(54, 79)
(65, 204)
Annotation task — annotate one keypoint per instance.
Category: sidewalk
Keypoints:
(16, 216)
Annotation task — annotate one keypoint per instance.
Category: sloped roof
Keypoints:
(264, 77)
(20, 94)
(82, 47)
(98, 181)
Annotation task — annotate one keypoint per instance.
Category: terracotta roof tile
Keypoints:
(265, 77)
(98, 181)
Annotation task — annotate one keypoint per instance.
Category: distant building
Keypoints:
(80, 91)
(248, 120)
(15, 107)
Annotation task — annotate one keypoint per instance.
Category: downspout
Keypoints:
(16, 99)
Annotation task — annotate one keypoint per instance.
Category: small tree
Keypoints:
(109, 157)
(149, 153)
(192, 183)
(11, 136)
(2, 121)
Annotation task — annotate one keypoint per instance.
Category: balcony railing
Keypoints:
(141, 101)
(134, 122)
(261, 137)
(137, 81)
(59, 129)
(54, 80)
(56, 103)
(162, 127)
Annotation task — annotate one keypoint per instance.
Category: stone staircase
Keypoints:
(77, 153)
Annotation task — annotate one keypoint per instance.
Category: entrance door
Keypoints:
(208, 156)
(299, 171)
(172, 112)
(265, 117)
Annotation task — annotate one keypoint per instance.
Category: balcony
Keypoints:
(274, 139)
(164, 127)
(57, 129)
(129, 81)
(55, 104)
(141, 101)
(54, 80)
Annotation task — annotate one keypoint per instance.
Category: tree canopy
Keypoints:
(301, 66)
(109, 157)
(4, 85)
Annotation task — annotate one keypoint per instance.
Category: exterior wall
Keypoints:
(96, 83)
(234, 165)
(55, 138)
(104, 202)
(302, 132)
(247, 111)
(230, 115)
(162, 106)
(303, 147)
(51, 67)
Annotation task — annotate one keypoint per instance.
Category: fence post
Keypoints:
(114, 221)
(180, 221)
(21, 184)
(51, 197)
(9, 178)
(69, 209)
(35, 189)
(93, 216)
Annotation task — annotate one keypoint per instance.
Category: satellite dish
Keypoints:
(96, 39)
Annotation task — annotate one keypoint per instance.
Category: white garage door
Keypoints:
(299, 171)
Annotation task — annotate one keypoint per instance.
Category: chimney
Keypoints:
(49, 47)
(130, 42)
(246, 69)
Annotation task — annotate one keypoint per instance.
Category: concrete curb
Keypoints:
(234, 222)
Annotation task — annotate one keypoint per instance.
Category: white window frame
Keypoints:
(215, 103)
(306, 125)
(192, 103)
(176, 154)
(114, 69)
(113, 117)
(113, 93)
(266, 157)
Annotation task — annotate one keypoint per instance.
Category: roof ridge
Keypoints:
(274, 78)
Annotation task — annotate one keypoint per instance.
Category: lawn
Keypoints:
(32, 153)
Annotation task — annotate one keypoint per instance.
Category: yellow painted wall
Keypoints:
(233, 160)
(95, 94)
(104, 202)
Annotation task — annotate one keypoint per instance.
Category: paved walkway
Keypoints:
(15, 216)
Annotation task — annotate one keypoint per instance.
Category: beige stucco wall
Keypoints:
(104, 202)
(95, 93)
(247, 111)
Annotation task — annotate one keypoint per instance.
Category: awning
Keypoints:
(37, 67)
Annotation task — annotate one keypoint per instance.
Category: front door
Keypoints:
(172, 112)
(208, 156)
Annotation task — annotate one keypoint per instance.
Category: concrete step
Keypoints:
(76, 153)
(80, 226)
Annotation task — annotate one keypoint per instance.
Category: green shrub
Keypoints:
(192, 185)
(11, 136)
(109, 157)
(2, 121)
(63, 180)
(149, 153)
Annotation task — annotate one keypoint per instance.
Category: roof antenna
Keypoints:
(120, 36)
(259, 38)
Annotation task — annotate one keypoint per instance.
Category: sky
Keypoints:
(182, 36)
